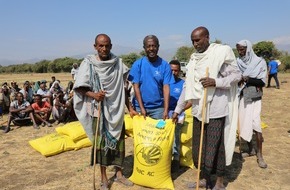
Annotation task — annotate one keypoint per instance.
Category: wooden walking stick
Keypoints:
(201, 132)
(95, 141)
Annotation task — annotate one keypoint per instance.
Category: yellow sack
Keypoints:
(263, 125)
(152, 153)
(187, 162)
(186, 151)
(73, 129)
(186, 155)
(52, 144)
(83, 143)
(128, 125)
(186, 130)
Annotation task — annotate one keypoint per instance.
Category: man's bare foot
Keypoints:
(219, 185)
(261, 162)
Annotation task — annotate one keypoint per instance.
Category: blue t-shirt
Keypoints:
(151, 77)
(274, 66)
(175, 91)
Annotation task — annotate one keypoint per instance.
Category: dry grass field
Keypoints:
(23, 168)
(33, 77)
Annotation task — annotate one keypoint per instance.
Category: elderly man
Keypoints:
(254, 71)
(221, 105)
(20, 110)
(151, 76)
(100, 82)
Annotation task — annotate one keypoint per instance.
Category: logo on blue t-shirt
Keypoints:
(177, 90)
(157, 73)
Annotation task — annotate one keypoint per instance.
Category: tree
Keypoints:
(183, 53)
(285, 62)
(142, 53)
(130, 59)
(41, 66)
(267, 50)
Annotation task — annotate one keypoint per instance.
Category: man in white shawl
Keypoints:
(101, 78)
(254, 71)
(221, 105)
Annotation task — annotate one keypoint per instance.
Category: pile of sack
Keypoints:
(71, 136)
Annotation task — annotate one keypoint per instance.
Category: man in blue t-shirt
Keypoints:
(273, 72)
(175, 92)
(151, 76)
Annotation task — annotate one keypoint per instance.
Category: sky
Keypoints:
(39, 29)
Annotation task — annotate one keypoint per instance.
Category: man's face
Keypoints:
(43, 85)
(19, 97)
(103, 46)
(13, 84)
(26, 86)
(151, 48)
(175, 70)
(200, 40)
(241, 50)
(37, 99)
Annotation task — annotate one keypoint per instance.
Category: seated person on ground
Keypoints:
(44, 92)
(42, 110)
(5, 97)
(35, 86)
(52, 81)
(55, 88)
(61, 108)
(13, 90)
(68, 94)
(27, 92)
(20, 112)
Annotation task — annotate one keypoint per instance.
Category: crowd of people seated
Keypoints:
(36, 104)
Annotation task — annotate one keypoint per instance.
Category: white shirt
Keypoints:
(75, 72)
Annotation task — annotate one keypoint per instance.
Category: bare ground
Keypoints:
(24, 168)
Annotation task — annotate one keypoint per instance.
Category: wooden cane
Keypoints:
(201, 132)
(95, 142)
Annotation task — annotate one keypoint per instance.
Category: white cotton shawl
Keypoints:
(251, 65)
(213, 58)
(110, 75)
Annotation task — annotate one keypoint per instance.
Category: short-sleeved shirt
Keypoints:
(175, 92)
(151, 78)
(43, 107)
(43, 92)
(273, 66)
(15, 105)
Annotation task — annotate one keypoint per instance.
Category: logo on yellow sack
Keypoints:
(148, 154)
